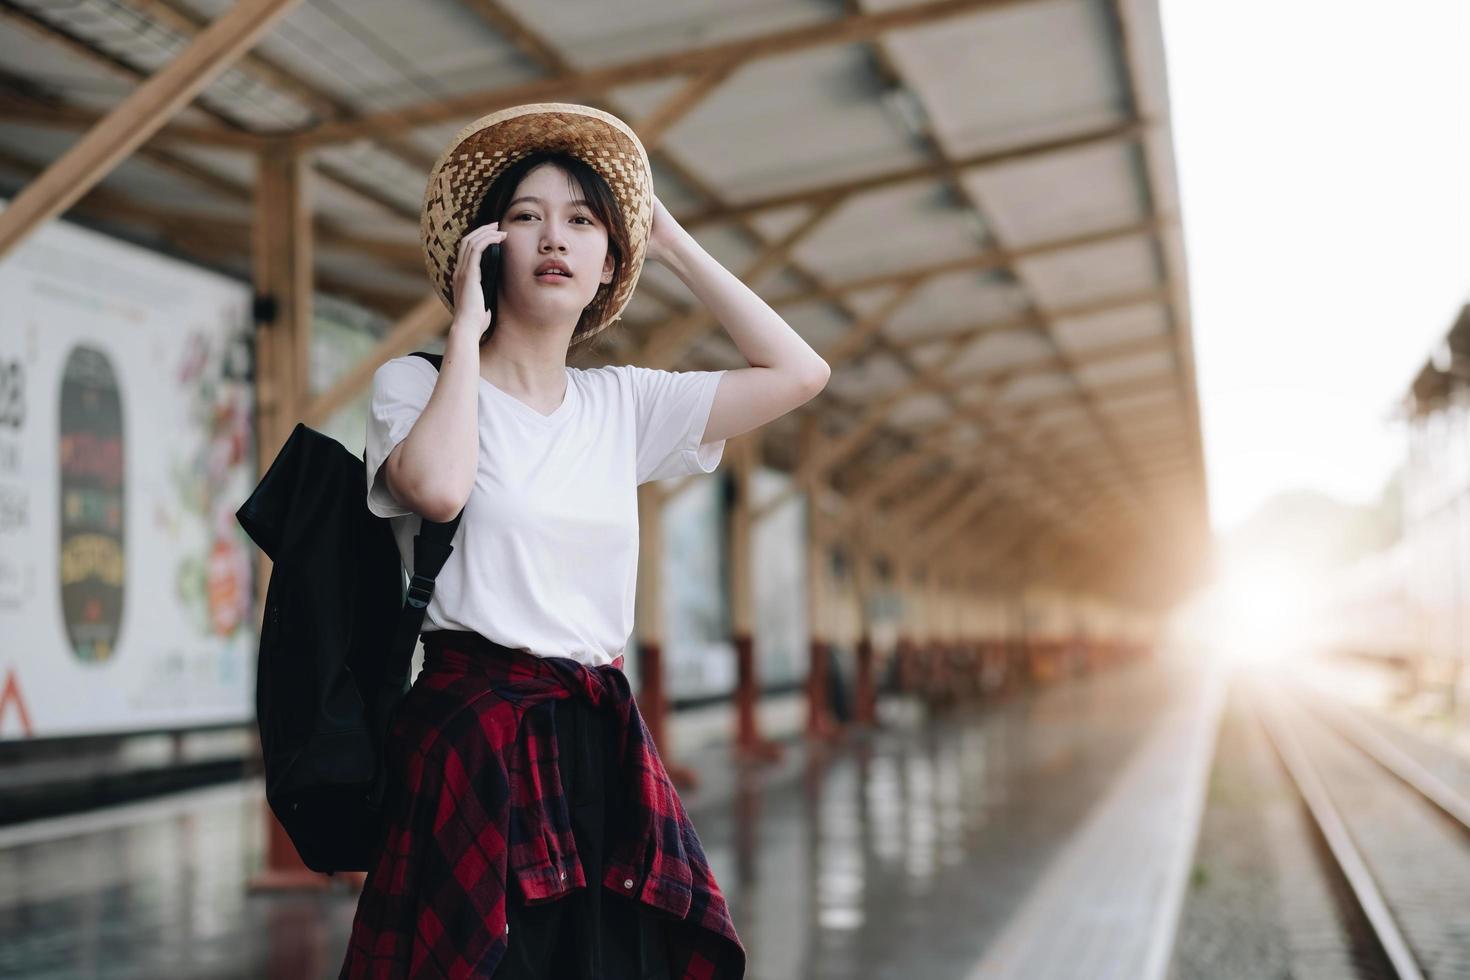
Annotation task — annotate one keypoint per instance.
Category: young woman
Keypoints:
(531, 830)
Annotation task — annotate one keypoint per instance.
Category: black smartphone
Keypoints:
(489, 272)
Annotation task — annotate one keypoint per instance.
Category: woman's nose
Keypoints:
(553, 239)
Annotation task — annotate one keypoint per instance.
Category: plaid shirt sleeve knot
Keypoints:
(478, 803)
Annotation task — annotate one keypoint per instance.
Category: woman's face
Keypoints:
(545, 225)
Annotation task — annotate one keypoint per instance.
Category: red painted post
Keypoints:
(903, 650)
(746, 734)
(653, 704)
(748, 741)
(283, 867)
(819, 721)
(865, 702)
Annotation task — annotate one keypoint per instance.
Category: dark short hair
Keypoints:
(599, 196)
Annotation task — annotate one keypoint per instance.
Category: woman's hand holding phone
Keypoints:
(471, 310)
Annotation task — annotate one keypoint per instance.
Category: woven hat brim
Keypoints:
(482, 150)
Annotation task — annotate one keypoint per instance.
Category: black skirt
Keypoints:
(593, 933)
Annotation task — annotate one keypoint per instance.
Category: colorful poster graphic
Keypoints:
(126, 595)
(213, 584)
(90, 457)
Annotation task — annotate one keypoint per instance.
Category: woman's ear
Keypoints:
(609, 266)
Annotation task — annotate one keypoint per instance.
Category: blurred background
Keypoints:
(1108, 614)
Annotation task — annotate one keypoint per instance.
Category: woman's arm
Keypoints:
(784, 371)
(432, 471)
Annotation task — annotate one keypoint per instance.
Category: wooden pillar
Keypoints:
(283, 288)
(865, 697)
(965, 613)
(648, 623)
(282, 267)
(819, 721)
(939, 636)
(749, 744)
(910, 618)
(647, 618)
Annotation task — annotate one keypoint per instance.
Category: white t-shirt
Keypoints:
(546, 556)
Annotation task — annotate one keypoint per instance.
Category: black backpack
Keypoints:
(336, 643)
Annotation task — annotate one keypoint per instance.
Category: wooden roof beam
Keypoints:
(981, 412)
(670, 342)
(924, 507)
(137, 117)
(1136, 49)
(954, 177)
(1132, 386)
(981, 261)
(60, 116)
(427, 319)
(595, 82)
(680, 103)
(56, 35)
(1096, 355)
(1030, 321)
(684, 331)
(948, 523)
(104, 204)
(178, 17)
(856, 340)
(650, 130)
(931, 379)
(857, 186)
(930, 448)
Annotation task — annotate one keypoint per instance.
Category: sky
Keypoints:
(1323, 151)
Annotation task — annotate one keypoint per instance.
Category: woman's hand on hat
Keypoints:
(469, 298)
(666, 233)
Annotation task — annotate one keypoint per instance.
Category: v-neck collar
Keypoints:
(527, 411)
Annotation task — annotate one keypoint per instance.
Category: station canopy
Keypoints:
(969, 208)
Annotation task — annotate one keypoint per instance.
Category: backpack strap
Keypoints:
(435, 359)
(431, 549)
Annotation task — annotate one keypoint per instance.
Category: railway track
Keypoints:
(1396, 835)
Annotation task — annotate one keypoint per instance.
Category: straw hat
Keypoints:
(486, 147)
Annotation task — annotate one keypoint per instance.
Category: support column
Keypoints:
(911, 639)
(749, 745)
(648, 625)
(282, 267)
(865, 696)
(283, 289)
(819, 721)
(941, 638)
(903, 645)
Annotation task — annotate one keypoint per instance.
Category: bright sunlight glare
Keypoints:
(1258, 612)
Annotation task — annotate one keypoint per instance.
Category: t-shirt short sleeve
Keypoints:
(401, 389)
(672, 410)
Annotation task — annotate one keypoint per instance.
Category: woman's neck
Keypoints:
(528, 363)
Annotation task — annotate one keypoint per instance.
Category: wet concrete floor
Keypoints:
(903, 852)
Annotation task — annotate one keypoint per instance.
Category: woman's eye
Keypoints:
(583, 217)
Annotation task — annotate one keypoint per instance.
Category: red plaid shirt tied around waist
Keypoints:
(477, 803)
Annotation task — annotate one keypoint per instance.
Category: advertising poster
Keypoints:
(778, 553)
(126, 593)
(698, 656)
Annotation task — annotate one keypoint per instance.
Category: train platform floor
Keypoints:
(1047, 835)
